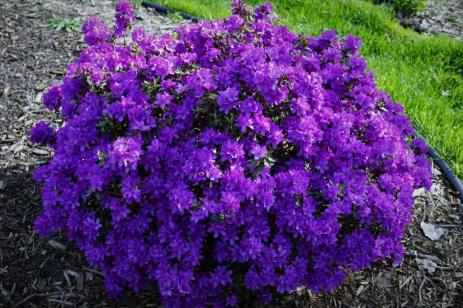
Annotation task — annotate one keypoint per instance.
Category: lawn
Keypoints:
(423, 73)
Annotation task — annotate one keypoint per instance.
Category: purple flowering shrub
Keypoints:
(229, 160)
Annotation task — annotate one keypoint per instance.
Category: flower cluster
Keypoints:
(227, 161)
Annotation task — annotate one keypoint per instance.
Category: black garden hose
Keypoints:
(165, 10)
(442, 164)
(447, 172)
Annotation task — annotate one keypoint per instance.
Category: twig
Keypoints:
(93, 271)
(32, 296)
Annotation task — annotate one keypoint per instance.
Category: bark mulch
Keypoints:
(51, 272)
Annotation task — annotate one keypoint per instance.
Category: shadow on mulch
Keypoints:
(44, 272)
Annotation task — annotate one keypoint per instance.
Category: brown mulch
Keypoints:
(441, 17)
(51, 272)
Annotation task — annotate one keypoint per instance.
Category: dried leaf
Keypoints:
(426, 264)
(431, 231)
(57, 245)
(38, 97)
(6, 91)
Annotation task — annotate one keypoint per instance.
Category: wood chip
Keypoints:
(40, 152)
(427, 265)
(57, 245)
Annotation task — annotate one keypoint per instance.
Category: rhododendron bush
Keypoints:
(226, 161)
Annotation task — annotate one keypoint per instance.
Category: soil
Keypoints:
(51, 272)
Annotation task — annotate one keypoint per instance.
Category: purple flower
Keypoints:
(43, 134)
(130, 189)
(95, 31)
(419, 146)
(126, 152)
(232, 151)
(258, 151)
(263, 11)
(52, 99)
(227, 152)
(221, 276)
(227, 99)
(352, 44)
(163, 99)
(124, 17)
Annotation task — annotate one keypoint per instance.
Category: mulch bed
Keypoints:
(51, 272)
(439, 17)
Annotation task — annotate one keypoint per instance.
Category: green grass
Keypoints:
(423, 73)
(63, 24)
